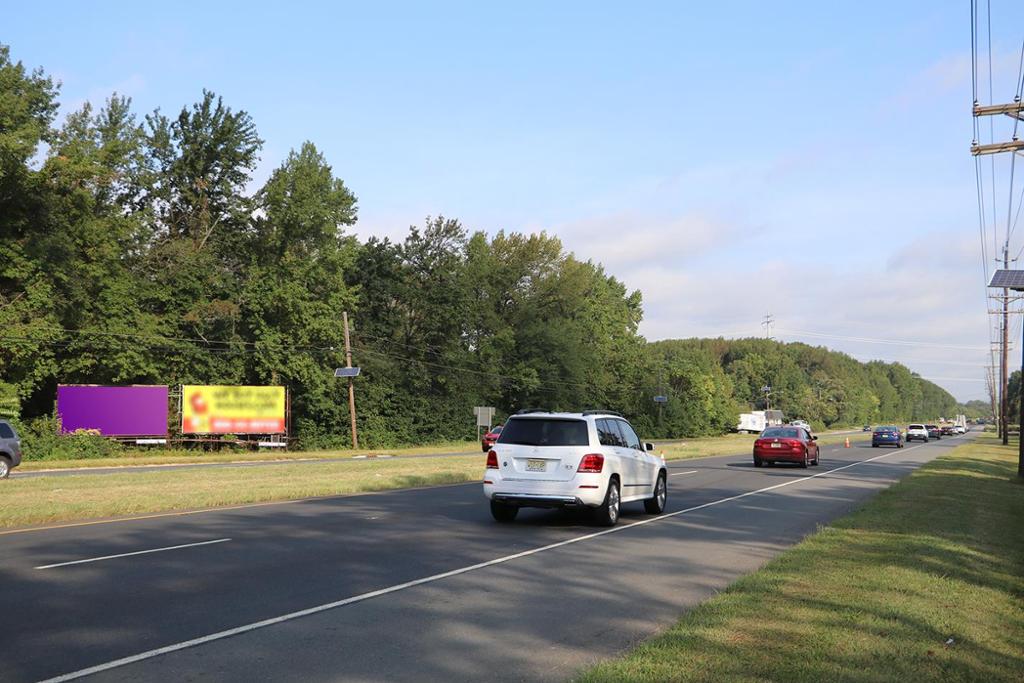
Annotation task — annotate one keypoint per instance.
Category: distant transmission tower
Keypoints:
(767, 323)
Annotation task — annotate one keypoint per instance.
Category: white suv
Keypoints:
(591, 459)
(917, 432)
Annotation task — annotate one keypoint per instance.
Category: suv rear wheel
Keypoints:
(5, 467)
(504, 513)
(608, 512)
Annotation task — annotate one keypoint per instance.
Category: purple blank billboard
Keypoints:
(113, 411)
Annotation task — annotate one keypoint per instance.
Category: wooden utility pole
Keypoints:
(351, 384)
(1004, 421)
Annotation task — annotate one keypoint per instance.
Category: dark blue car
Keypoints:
(887, 436)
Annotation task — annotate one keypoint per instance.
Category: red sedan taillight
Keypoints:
(591, 463)
(492, 460)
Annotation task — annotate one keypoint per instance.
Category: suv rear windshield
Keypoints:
(916, 427)
(5, 431)
(545, 431)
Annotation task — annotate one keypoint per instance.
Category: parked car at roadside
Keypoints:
(490, 437)
(786, 444)
(917, 432)
(10, 449)
(592, 459)
(887, 436)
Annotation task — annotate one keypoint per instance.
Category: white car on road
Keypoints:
(917, 431)
(590, 459)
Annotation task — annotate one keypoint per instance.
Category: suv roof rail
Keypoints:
(603, 412)
(527, 411)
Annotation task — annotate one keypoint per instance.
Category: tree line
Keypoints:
(133, 250)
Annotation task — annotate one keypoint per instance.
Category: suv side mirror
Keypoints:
(649, 447)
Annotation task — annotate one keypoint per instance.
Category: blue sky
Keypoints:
(727, 159)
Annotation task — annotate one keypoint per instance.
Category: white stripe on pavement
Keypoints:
(676, 474)
(137, 552)
(220, 635)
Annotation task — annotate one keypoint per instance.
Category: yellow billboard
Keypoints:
(232, 410)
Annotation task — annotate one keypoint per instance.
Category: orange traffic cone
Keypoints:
(847, 442)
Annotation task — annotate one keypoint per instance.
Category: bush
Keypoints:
(41, 440)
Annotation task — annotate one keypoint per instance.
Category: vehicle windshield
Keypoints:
(533, 431)
(496, 430)
(887, 429)
(933, 426)
(781, 433)
(916, 427)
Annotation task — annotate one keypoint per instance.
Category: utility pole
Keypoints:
(767, 323)
(1020, 435)
(1004, 377)
(1015, 110)
(351, 384)
(661, 392)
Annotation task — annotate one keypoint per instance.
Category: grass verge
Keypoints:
(923, 583)
(180, 457)
(674, 450)
(44, 500)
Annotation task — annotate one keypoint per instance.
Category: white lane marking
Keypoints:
(676, 474)
(220, 635)
(137, 552)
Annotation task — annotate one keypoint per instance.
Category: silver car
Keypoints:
(10, 449)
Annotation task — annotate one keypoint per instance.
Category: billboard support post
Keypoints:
(351, 384)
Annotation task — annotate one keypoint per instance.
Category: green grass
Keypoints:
(674, 450)
(874, 597)
(45, 500)
(177, 457)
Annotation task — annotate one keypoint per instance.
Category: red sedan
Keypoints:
(490, 437)
(786, 444)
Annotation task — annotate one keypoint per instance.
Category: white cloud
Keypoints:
(625, 240)
(926, 289)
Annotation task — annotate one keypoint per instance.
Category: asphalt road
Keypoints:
(405, 585)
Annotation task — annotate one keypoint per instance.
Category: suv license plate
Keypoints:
(536, 465)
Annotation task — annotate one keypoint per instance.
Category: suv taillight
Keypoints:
(492, 460)
(592, 463)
